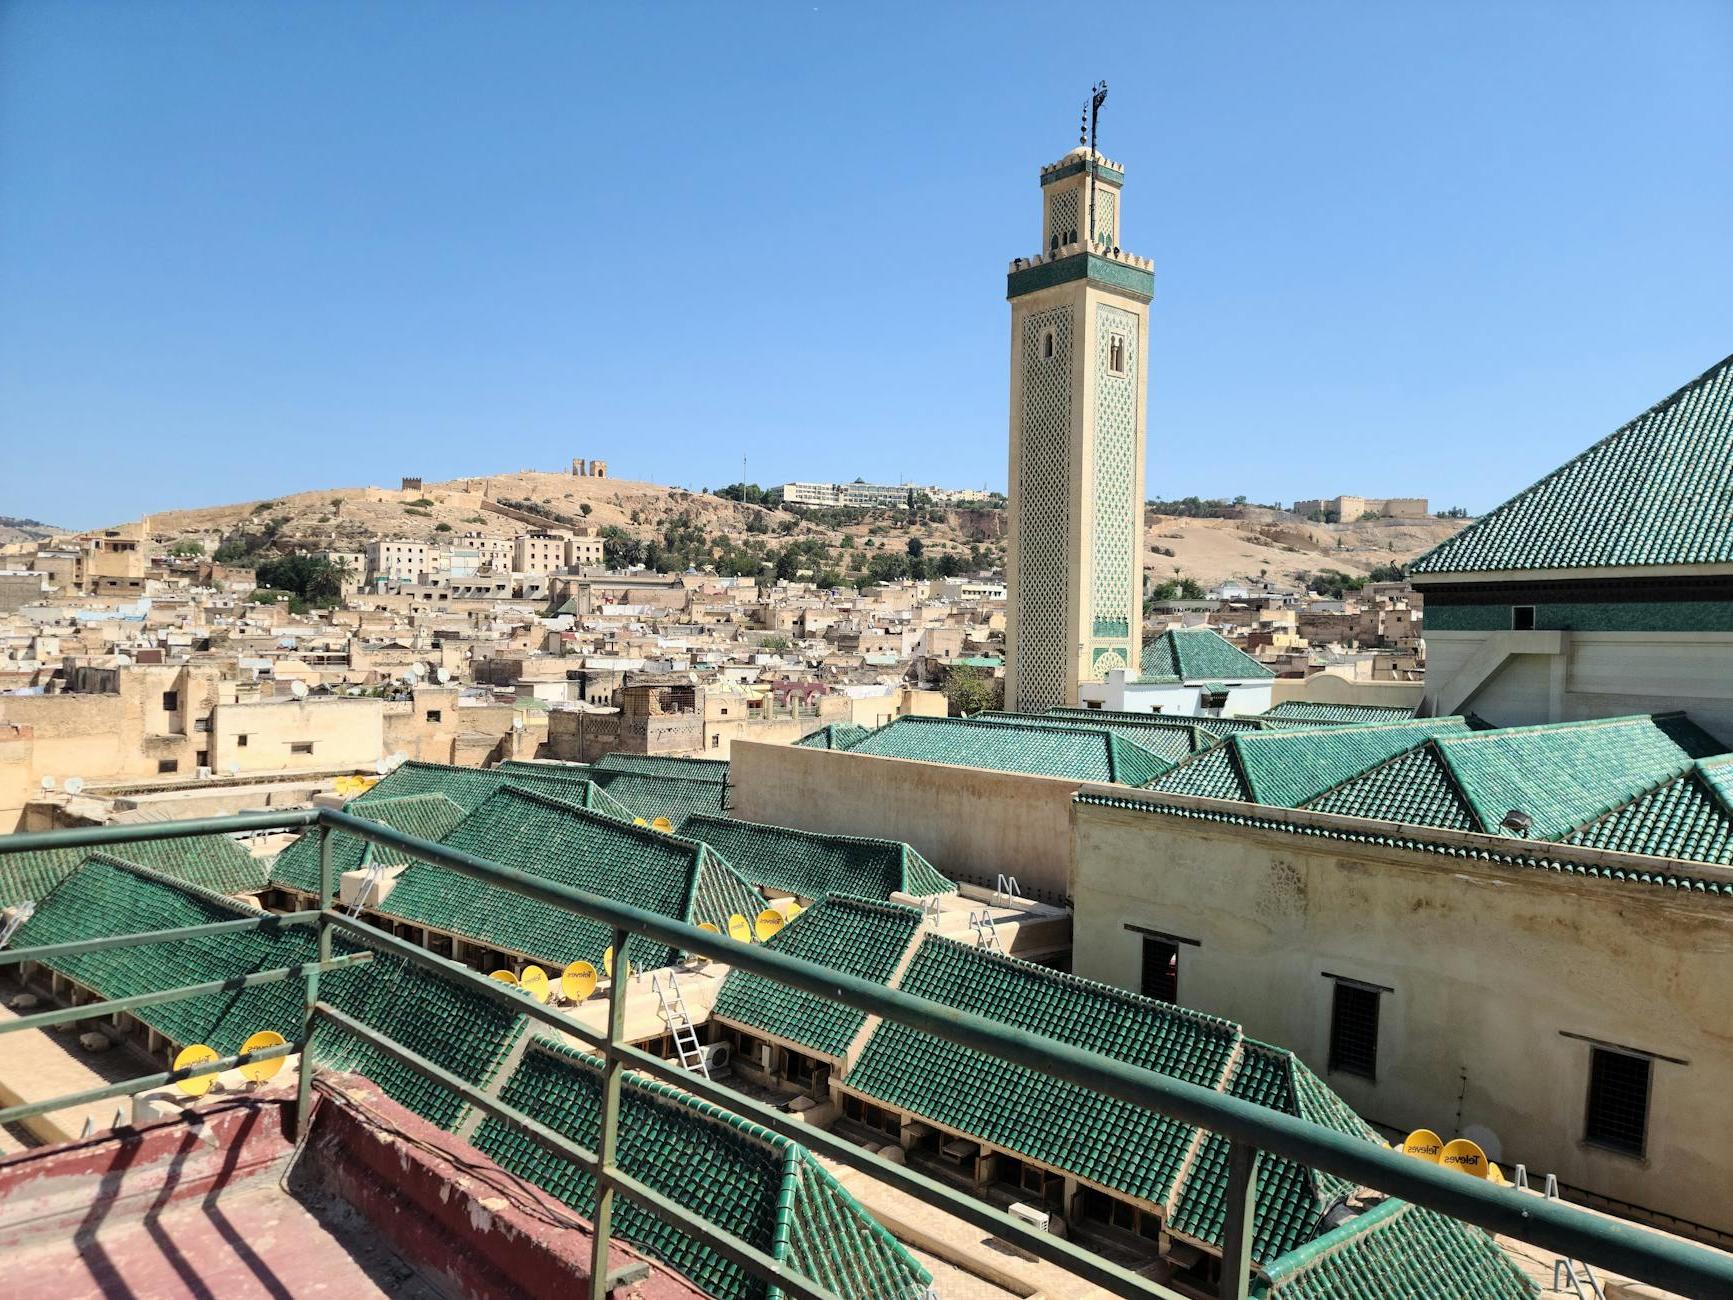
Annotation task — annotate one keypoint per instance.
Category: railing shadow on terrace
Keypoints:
(1554, 1225)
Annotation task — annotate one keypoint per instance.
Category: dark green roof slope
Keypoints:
(1657, 491)
(468, 787)
(425, 816)
(1689, 816)
(1308, 711)
(1199, 654)
(1287, 766)
(856, 935)
(1413, 788)
(691, 769)
(813, 865)
(1199, 733)
(1397, 1251)
(740, 1177)
(213, 862)
(572, 846)
(837, 735)
(673, 797)
(1075, 753)
(1170, 743)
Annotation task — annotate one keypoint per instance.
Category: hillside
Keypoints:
(1208, 550)
(14, 529)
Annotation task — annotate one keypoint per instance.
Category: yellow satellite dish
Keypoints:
(738, 929)
(534, 981)
(608, 963)
(710, 926)
(664, 825)
(579, 981)
(1496, 1175)
(259, 1071)
(1423, 1144)
(639, 821)
(794, 910)
(768, 922)
(1465, 1156)
(195, 1054)
(503, 976)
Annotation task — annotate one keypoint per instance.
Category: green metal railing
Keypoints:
(1566, 1229)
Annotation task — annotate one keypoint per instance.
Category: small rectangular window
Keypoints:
(165, 765)
(1354, 1030)
(716, 741)
(300, 747)
(1160, 969)
(1618, 1109)
(1522, 618)
(240, 742)
(171, 701)
(1116, 353)
(434, 715)
(203, 758)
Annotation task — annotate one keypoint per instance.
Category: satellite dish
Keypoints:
(534, 981)
(47, 783)
(639, 821)
(664, 825)
(234, 769)
(1423, 1144)
(74, 785)
(738, 929)
(769, 921)
(383, 766)
(710, 926)
(504, 977)
(259, 1071)
(794, 910)
(196, 1054)
(578, 981)
(1464, 1156)
(298, 690)
(442, 673)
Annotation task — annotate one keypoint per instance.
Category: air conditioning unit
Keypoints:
(204, 774)
(1033, 1215)
(717, 1057)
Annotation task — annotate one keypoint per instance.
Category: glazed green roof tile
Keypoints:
(1078, 753)
(1561, 774)
(1657, 491)
(1199, 654)
(836, 735)
(467, 787)
(1200, 733)
(739, 1177)
(1413, 788)
(691, 769)
(1545, 858)
(856, 935)
(1397, 1251)
(1286, 767)
(1689, 816)
(673, 797)
(1308, 711)
(425, 816)
(213, 862)
(1068, 1125)
(571, 846)
(1170, 743)
(814, 865)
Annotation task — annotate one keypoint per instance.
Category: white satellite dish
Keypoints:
(382, 766)
(74, 785)
(234, 769)
(298, 690)
(47, 783)
(125, 661)
(443, 673)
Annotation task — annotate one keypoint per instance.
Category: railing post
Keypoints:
(304, 1088)
(1237, 1231)
(607, 1140)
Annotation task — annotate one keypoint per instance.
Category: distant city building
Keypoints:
(1345, 510)
(1079, 331)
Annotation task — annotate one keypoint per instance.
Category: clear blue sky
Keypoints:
(250, 248)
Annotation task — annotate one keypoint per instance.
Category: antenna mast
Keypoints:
(1097, 97)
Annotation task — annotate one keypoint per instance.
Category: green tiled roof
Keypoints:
(673, 797)
(742, 1178)
(1397, 1251)
(1413, 788)
(1076, 753)
(859, 936)
(213, 862)
(1689, 816)
(1307, 711)
(468, 787)
(1199, 654)
(1546, 857)
(837, 735)
(814, 865)
(425, 816)
(572, 846)
(692, 769)
(1170, 743)
(1286, 766)
(1199, 733)
(1657, 491)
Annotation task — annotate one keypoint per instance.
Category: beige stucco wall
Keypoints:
(1334, 688)
(970, 823)
(1490, 969)
(345, 733)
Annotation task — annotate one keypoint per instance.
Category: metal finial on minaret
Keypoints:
(1097, 97)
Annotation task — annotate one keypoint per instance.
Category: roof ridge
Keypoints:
(647, 833)
(1418, 565)
(1310, 1254)
(792, 830)
(1689, 773)
(1200, 1135)
(1379, 766)
(161, 878)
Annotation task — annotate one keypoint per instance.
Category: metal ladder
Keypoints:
(1006, 889)
(986, 932)
(672, 1005)
(369, 882)
(1581, 1277)
(20, 914)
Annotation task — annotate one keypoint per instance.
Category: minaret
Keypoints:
(1079, 353)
